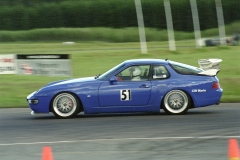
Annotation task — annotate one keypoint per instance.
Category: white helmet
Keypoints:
(136, 71)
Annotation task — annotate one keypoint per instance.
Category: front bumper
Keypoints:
(38, 104)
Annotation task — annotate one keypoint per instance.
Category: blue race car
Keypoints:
(140, 85)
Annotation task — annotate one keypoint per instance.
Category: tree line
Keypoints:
(25, 14)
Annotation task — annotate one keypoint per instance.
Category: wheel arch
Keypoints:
(191, 102)
(75, 95)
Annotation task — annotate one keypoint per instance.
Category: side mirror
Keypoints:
(113, 79)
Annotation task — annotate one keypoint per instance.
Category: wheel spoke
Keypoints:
(65, 105)
(176, 101)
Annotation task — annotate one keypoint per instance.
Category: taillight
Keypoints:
(215, 85)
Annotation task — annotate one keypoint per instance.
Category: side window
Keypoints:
(134, 73)
(160, 72)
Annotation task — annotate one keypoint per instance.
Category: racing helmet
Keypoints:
(136, 71)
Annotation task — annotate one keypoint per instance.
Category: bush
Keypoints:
(24, 15)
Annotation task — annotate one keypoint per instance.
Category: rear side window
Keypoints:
(184, 69)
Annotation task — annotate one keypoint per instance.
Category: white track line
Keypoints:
(120, 139)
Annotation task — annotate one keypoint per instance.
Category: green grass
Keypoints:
(92, 58)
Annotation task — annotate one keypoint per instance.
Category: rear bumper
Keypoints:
(213, 98)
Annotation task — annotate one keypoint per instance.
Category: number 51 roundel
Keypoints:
(125, 95)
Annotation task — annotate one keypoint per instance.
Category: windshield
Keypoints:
(110, 72)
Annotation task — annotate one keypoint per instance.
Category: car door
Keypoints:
(127, 91)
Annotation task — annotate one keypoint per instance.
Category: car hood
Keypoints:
(71, 81)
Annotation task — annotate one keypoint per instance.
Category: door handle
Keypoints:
(144, 86)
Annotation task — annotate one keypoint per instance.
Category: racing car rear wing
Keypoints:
(210, 72)
(212, 63)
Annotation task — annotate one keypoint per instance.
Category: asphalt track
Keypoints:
(202, 134)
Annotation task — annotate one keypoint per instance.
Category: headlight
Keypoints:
(33, 101)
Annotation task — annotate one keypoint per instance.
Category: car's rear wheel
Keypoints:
(65, 105)
(176, 102)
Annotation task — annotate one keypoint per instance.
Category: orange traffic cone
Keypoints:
(233, 150)
(47, 153)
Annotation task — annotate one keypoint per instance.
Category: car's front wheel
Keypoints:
(65, 105)
(176, 102)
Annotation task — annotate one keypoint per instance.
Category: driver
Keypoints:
(135, 73)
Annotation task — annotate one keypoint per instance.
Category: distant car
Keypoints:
(140, 85)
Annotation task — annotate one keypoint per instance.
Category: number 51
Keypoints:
(125, 95)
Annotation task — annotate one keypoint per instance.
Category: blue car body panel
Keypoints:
(103, 95)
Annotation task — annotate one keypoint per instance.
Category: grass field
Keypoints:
(92, 58)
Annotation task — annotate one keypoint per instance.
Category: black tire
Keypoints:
(65, 105)
(176, 102)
